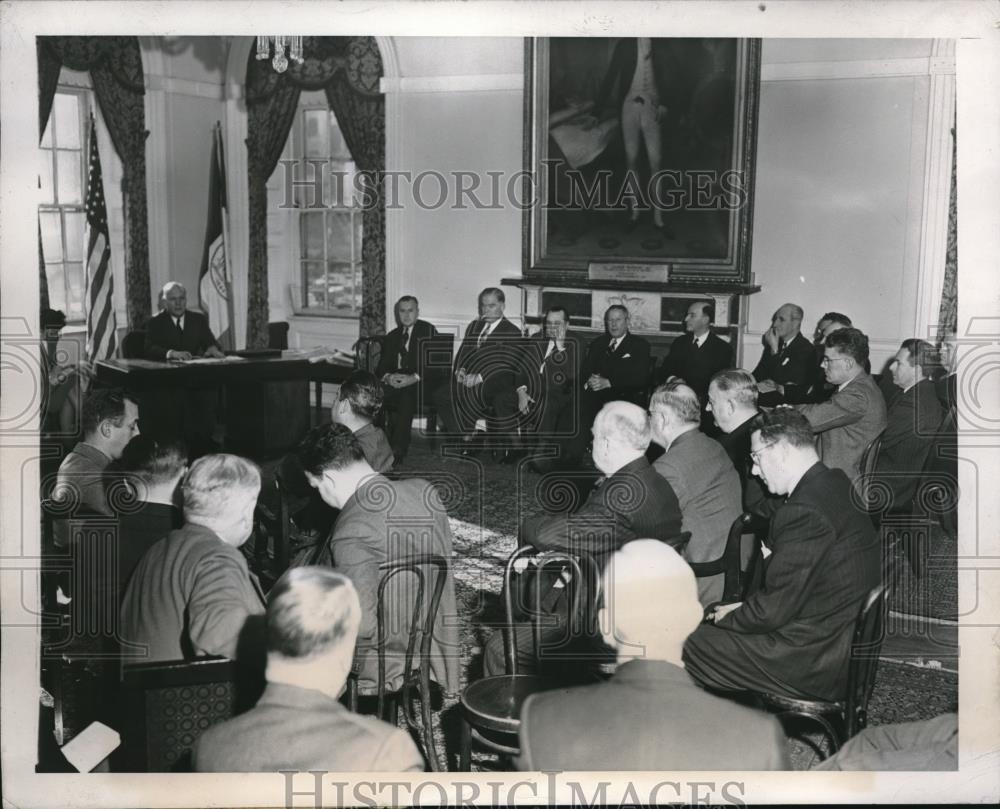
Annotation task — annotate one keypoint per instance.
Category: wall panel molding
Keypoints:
(157, 205)
(186, 87)
(936, 65)
(487, 82)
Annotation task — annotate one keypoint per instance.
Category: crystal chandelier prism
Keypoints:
(280, 43)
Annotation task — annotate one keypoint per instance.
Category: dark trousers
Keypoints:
(554, 424)
(460, 407)
(400, 406)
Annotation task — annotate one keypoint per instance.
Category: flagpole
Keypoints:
(225, 236)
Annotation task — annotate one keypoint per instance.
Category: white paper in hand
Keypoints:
(91, 746)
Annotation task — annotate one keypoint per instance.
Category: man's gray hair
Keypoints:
(624, 424)
(218, 486)
(680, 399)
(170, 285)
(738, 386)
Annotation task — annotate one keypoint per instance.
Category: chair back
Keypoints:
(730, 563)
(277, 335)
(436, 356)
(134, 344)
(865, 647)
(868, 489)
(576, 586)
(168, 705)
(367, 352)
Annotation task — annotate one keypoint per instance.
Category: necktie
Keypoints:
(612, 346)
(551, 350)
(180, 328)
(404, 349)
(482, 336)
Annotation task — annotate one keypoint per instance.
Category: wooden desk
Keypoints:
(265, 396)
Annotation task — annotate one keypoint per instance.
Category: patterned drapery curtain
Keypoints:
(948, 315)
(115, 68)
(348, 69)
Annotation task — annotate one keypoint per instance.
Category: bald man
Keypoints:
(177, 334)
(787, 372)
(650, 715)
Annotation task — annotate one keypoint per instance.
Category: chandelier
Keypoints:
(280, 61)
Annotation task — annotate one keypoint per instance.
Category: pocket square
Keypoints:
(626, 356)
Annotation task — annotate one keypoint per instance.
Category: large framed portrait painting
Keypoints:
(641, 152)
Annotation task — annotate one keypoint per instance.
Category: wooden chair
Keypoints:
(134, 344)
(493, 705)
(874, 495)
(729, 564)
(168, 705)
(416, 682)
(842, 719)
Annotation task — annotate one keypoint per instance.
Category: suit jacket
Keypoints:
(162, 336)
(708, 491)
(376, 447)
(913, 420)
(825, 560)
(696, 365)
(847, 423)
(138, 531)
(557, 384)
(649, 716)
(413, 360)
(756, 498)
(496, 359)
(383, 520)
(192, 595)
(292, 728)
(627, 369)
(633, 503)
(794, 366)
(81, 478)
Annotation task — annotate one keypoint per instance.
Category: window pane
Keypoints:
(358, 236)
(47, 134)
(341, 192)
(317, 140)
(45, 180)
(70, 181)
(75, 223)
(341, 286)
(66, 110)
(51, 235)
(311, 244)
(57, 286)
(74, 291)
(338, 234)
(315, 283)
(338, 146)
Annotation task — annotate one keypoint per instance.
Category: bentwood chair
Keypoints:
(842, 719)
(431, 573)
(729, 565)
(491, 707)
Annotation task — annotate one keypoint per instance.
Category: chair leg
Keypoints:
(465, 747)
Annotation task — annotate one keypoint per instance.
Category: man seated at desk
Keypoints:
(177, 334)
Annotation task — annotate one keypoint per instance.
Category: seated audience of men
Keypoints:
(792, 636)
(732, 400)
(913, 418)
(854, 415)
(381, 520)
(786, 373)
(192, 593)
(400, 369)
(482, 385)
(548, 389)
(358, 405)
(650, 715)
(630, 502)
(312, 620)
(698, 354)
(110, 420)
(701, 475)
(153, 471)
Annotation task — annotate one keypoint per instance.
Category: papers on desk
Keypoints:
(325, 354)
(212, 360)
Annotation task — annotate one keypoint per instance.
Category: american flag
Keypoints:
(102, 338)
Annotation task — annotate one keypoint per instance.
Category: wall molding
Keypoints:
(237, 190)
(486, 82)
(186, 87)
(936, 65)
(157, 209)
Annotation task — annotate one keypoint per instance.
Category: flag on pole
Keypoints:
(102, 335)
(213, 284)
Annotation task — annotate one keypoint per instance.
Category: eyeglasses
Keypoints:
(828, 360)
(755, 454)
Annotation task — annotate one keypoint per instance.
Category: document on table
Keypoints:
(212, 360)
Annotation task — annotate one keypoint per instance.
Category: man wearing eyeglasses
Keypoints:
(792, 635)
(855, 414)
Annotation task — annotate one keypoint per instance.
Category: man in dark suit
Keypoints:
(700, 474)
(792, 636)
(358, 404)
(191, 593)
(400, 368)
(947, 382)
(616, 368)
(298, 723)
(381, 520)
(483, 374)
(631, 502)
(825, 326)
(176, 333)
(732, 401)
(787, 372)
(913, 417)
(548, 388)
(650, 715)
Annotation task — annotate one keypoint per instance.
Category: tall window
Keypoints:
(329, 229)
(61, 214)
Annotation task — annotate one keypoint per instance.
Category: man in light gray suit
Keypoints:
(855, 414)
(701, 474)
(298, 724)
